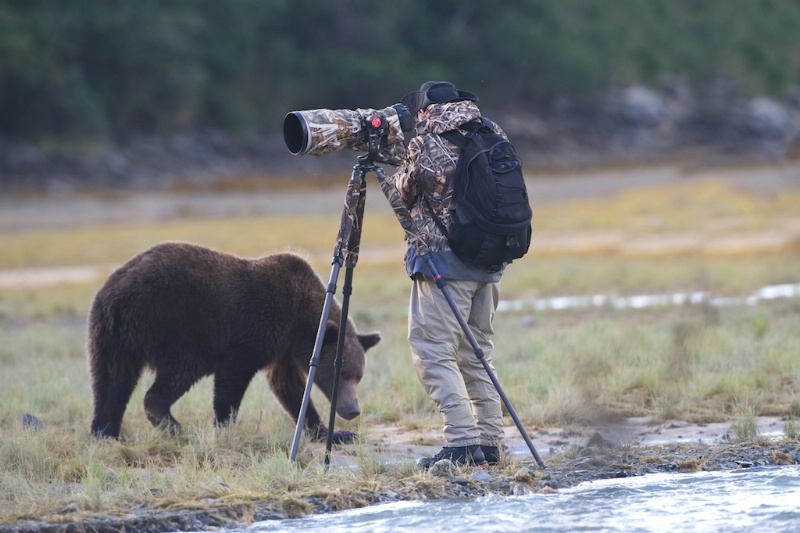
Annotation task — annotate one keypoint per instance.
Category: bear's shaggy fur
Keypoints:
(186, 312)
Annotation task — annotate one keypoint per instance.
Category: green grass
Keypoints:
(558, 368)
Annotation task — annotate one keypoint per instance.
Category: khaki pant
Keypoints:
(446, 364)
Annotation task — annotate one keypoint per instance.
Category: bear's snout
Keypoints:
(347, 403)
(348, 412)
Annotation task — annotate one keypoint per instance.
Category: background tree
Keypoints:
(86, 69)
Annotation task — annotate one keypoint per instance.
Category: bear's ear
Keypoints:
(331, 333)
(369, 340)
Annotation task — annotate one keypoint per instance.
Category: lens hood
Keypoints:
(296, 133)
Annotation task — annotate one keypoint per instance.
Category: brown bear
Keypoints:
(186, 312)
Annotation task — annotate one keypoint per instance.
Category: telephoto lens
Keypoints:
(322, 131)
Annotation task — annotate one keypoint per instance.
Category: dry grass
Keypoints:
(565, 368)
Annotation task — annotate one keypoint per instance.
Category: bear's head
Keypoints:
(353, 363)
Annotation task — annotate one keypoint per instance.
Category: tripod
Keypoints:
(346, 252)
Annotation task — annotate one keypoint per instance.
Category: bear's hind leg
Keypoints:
(112, 386)
(110, 401)
(165, 391)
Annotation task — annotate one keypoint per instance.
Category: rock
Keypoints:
(71, 508)
(588, 463)
(32, 422)
(523, 474)
(443, 468)
(598, 441)
(520, 490)
(639, 106)
(767, 118)
(481, 476)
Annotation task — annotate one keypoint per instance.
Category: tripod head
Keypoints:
(376, 130)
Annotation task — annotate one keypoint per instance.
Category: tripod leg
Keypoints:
(347, 290)
(312, 369)
(350, 236)
(346, 250)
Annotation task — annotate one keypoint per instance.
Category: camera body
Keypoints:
(322, 131)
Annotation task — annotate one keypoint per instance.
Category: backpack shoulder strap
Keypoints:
(457, 138)
(461, 140)
(439, 222)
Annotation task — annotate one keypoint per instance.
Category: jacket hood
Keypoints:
(448, 116)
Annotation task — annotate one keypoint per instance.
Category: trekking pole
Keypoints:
(347, 244)
(404, 217)
(441, 283)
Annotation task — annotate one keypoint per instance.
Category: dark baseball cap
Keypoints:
(435, 92)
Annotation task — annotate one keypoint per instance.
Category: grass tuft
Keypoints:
(744, 425)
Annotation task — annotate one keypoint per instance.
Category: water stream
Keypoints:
(643, 301)
(758, 499)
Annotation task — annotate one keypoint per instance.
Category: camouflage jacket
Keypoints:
(425, 182)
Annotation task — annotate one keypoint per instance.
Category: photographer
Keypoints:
(445, 363)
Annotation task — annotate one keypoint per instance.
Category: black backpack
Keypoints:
(491, 223)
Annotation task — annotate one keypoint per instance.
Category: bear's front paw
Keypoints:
(339, 437)
(344, 437)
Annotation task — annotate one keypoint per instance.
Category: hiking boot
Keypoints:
(492, 454)
(460, 455)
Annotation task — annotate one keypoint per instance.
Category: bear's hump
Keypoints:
(286, 265)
